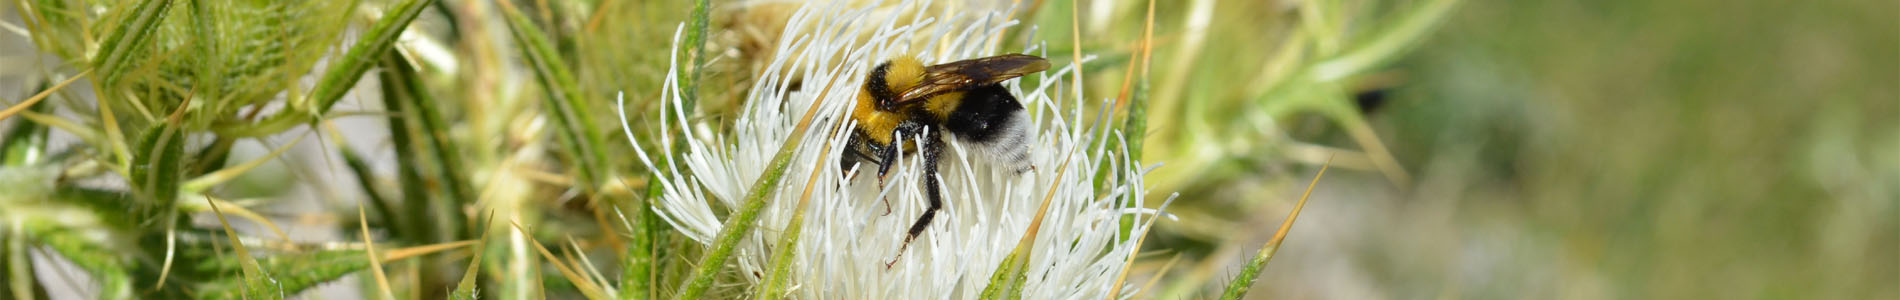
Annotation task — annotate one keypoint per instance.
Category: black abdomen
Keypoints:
(983, 113)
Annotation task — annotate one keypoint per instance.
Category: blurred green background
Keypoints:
(1625, 149)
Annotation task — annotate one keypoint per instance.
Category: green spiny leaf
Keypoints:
(342, 74)
(295, 272)
(157, 167)
(255, 281)
(466, 290)
(1000, 280)
(1238, 287)
(131, 34)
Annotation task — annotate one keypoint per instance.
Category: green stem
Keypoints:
(696, 40)
(788, 242)
(567, 104)
(737, 226)
(422, 114)
(636, 279)
(415, 199)
(741, 223)
(364, 180)
(1389, 44)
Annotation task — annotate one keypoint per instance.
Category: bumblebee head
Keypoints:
(893, 77)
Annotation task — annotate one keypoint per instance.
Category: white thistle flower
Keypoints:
(848, 236)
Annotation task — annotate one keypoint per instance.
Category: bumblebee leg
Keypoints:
(904, 130)
(854, 155)
(933, 149)
(888, 156)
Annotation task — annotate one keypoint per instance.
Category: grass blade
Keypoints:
(586, 286)
(20, 281)
(42, 95)
(1389, 43)
(1007, 280)
(369, 251)
(1238, 287)
(196, 185)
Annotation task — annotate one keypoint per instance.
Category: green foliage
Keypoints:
(158, 168)
(133, 32)
(740, 224)
(580, 135)
(342, 74)
(1003, 281)
(292, 273)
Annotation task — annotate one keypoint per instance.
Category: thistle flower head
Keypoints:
(848, 237)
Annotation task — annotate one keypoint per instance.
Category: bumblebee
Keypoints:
(903, 99)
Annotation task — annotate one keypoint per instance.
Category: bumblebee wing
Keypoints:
(966, 74)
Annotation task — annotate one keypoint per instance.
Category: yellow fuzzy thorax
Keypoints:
(904, 73)
(875, 124)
